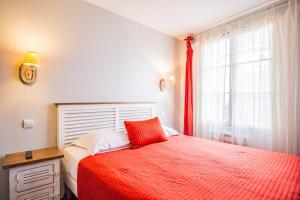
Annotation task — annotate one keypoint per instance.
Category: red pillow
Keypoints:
(141, 133)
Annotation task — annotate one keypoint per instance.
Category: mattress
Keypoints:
(72, 156)
(189, 168)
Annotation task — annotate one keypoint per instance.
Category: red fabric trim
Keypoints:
(188, 102)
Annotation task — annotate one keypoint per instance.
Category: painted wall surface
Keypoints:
(87, 54)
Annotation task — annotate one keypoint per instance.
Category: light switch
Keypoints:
(28, 123)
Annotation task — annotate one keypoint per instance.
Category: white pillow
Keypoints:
(169, 131)
(102, 141)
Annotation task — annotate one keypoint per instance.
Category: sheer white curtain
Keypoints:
(212, 77)
(248, 82)
(251, 84)
(285, 81)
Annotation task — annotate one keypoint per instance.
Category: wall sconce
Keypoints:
(28, 69)
(164, 84)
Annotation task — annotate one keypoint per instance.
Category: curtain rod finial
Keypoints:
(190, 37)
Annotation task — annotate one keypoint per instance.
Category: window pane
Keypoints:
(252, 77)
(216, 53)
(253, 45)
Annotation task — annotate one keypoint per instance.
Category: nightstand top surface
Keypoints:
(18, 159)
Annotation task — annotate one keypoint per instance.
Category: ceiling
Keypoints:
(179, 17)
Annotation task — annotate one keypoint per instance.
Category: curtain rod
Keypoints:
(247, 13)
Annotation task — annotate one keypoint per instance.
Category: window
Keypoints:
(247, 80)
(236, 80)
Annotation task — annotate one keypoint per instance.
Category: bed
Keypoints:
(181, 168)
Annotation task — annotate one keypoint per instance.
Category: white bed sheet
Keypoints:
(72, 157)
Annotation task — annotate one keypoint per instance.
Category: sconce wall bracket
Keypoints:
(28, 74)
(162, 84)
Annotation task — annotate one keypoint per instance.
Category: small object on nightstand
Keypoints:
(38, 176)
(28, 154)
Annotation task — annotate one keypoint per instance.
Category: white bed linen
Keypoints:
(70, 161)
(71, 183)
(72, 157)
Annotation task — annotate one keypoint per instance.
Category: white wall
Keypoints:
(87, 54)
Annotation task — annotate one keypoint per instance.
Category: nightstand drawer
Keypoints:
(43, 194)
(36, 176)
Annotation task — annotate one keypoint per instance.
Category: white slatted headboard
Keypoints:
(76, 119)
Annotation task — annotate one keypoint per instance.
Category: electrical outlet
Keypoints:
(28, 123)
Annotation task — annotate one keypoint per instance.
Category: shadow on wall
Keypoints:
(52, 123)
(3, 176)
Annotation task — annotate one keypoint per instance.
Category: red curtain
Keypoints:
(188, 101)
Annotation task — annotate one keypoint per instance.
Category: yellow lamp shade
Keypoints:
(171, 79)
(32, 58)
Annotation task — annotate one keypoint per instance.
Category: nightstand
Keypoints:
(35, 178)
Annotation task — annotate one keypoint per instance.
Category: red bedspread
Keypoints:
(189, 168)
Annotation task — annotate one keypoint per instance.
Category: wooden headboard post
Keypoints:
(76, 119)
